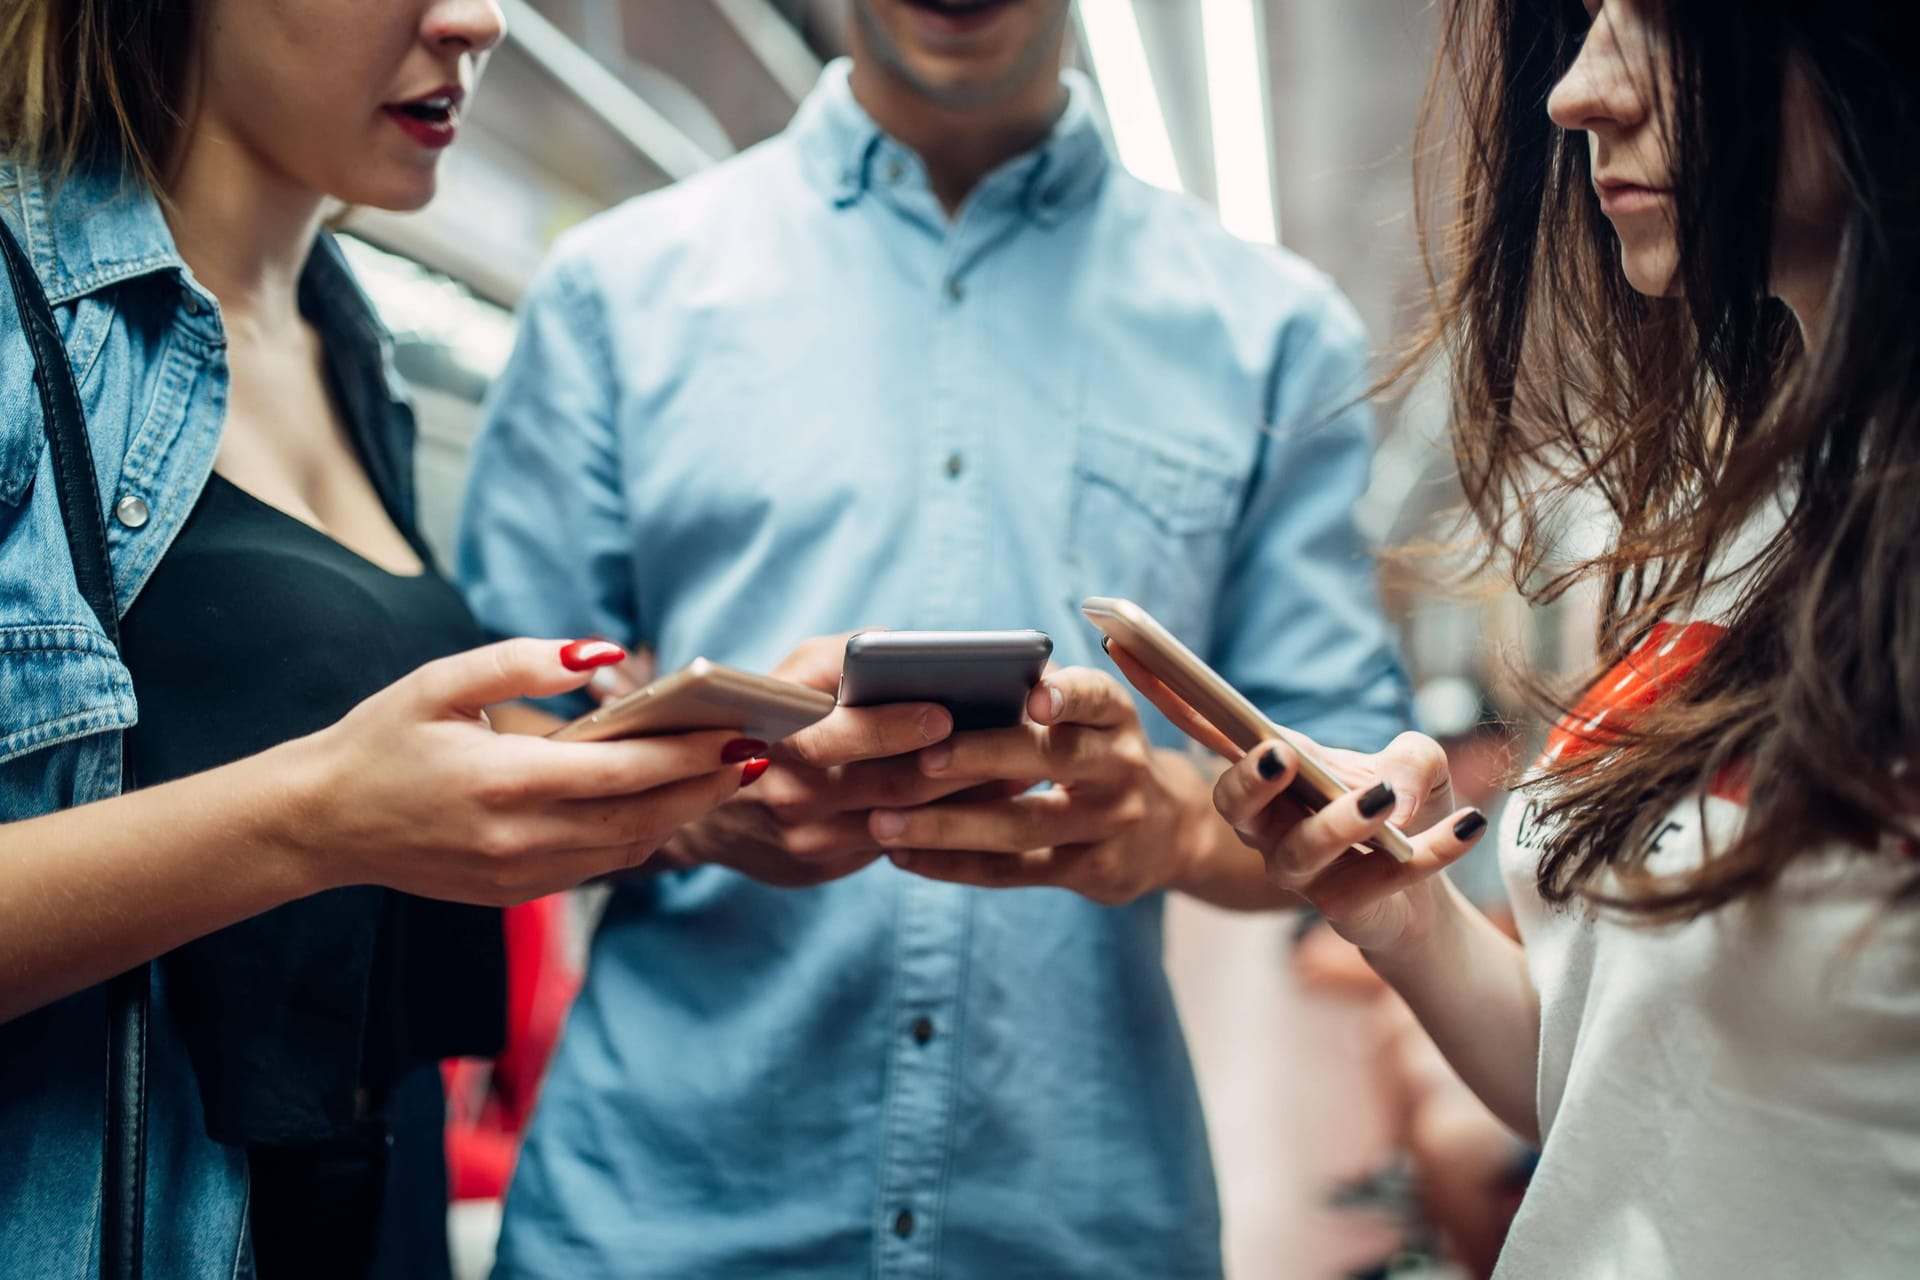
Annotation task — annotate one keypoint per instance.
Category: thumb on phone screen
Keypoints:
(622, 678)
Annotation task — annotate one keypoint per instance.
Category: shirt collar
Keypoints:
(847, 155)
(93, 228)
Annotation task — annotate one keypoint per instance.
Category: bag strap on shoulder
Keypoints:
(123, 1167)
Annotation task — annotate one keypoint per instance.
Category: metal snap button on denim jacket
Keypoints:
(149, 355)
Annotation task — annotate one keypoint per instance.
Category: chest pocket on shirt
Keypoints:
(1151, 522)
(57, 684)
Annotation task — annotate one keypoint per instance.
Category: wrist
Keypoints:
(1199, 858)
(295, 787)
(1210, 861)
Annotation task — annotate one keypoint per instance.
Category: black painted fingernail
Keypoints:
(1470, 826)
(1377, 801)
(1271, 765)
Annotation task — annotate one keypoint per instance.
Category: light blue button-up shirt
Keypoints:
(791, 397)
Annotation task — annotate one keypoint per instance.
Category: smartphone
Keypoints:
(982, 677)
(704, 695)
(1220, 704)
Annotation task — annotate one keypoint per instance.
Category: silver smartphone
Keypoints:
(704, 695)
(982, 677)
(1220, 704)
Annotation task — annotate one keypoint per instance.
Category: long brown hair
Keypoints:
(1688, 417)
(94, 82)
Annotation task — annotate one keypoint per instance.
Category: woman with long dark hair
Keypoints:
(1683, 283)
(232, 605)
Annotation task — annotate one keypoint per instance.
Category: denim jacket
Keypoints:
(149, 355)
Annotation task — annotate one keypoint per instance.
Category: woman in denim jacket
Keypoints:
(302, 832)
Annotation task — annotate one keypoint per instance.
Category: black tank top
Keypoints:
(255, 629)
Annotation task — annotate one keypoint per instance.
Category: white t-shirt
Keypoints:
(1737, 1096)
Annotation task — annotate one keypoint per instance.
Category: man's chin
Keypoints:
(963, 87)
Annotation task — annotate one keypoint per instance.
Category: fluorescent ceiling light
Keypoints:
(1126, 84)
(1237, 101)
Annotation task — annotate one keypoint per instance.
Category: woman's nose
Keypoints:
(1597, 92)
(472, 26)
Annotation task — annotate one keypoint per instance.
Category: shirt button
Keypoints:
(895, 171)
(903, 1224)
(955, 289)
(955, 465)
(131, 511)
(192, 305)
(923, 1030)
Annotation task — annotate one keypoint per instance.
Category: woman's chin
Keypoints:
(1652, 271)
(413, 202)
(399, 192)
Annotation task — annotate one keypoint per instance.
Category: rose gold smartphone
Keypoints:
(704, 695)
(1220, 704)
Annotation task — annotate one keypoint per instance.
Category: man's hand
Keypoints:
(1121, 820)
(805, 822)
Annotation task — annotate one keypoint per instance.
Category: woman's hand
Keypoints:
(1465, 980)
(414, 790)
(1370, 899)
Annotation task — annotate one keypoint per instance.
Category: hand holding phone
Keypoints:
(1218, 716)
(806, 823)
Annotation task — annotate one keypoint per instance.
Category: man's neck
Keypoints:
(244, 229)
(958, 146)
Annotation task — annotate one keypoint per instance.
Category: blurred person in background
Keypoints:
(929, 359)
(301, 834)
(1689, 249)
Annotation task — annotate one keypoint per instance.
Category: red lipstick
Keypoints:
(432, 119)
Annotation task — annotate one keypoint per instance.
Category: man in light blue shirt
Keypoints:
(930, 359)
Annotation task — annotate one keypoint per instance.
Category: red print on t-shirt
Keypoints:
(1670, 651)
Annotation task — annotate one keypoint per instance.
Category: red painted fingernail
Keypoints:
(741, 749)
(750, 772)
(585, 655)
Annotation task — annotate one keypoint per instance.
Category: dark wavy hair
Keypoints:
(94, 82)
(1687, 416)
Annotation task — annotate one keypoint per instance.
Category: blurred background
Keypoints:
(1293, 118)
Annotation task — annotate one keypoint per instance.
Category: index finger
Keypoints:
(1172, 705)
(850, 734)
(585, 770)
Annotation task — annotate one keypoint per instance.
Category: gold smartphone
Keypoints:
(704, 695)
(1221, 705)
